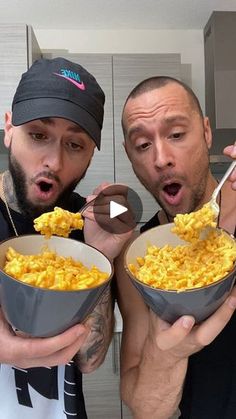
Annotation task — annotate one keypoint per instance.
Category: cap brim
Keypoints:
(30, 110)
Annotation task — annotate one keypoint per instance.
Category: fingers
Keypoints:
(230, 151)
(115, 189)
(51, 345)
(61, 357)
(182, 339)
(100, 209)
(110, 189)
(99, 188)
(41, 351)
(171, 336)
(211, 327)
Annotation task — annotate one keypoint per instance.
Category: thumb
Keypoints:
(171, 337)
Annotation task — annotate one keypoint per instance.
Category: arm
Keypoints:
(150, 386)
(101, 325)
(110, 242)
(154, 355)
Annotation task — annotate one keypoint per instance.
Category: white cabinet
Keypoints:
(18, 49)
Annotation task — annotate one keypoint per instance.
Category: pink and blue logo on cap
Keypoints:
(72, 77)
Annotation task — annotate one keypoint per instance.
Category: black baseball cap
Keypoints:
(60, 88)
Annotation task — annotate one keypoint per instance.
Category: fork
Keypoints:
(213, 202)
(86, 205)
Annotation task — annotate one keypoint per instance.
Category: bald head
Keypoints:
(158, 82)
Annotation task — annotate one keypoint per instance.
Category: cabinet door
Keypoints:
(126, 413)
(13, 52)
(18, 49)
(129, 70)
(102, 166)
(34, 52)
(101, 388)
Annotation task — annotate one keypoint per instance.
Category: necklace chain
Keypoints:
(7, 206)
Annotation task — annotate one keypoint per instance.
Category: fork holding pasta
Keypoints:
(59, 222)
(189, 226)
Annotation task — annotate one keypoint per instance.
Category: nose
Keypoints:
(163, 154)
(53, 160)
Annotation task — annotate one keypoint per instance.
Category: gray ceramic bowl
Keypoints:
(42, 312)
(170, 305)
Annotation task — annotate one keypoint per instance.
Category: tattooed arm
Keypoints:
(109, 241)
(101, 324)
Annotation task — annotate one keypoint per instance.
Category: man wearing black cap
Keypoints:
(51, 133)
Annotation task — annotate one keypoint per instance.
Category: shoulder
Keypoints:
(4, 227)
(75, 202)
(153, 222)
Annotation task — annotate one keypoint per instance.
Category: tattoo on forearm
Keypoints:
(101, 322)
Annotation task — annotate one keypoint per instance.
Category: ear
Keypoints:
(8, 130)
(207, 132)
(125, 147)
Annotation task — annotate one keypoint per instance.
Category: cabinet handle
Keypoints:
(116, 354)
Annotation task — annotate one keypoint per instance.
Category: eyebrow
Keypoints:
(165, 120)
(176, 118)
(47, 121)
(133, 130)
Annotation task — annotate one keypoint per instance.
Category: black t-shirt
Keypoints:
(40, 392)
(210, 384)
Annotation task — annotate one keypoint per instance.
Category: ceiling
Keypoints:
(112, 14)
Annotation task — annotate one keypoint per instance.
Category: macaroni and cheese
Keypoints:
(189, 266)
(189, 226)
(49, 270)
(193, 265)
(59, 222)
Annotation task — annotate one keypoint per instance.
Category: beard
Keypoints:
(27, 207)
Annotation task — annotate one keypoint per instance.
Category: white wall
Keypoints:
(189, 43)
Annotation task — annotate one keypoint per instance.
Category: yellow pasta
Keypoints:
(189, 226)
(59, 222)
(189, 266)
(196, 264)
(49, 270)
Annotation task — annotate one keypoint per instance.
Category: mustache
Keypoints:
(47, 174)
(168, 177)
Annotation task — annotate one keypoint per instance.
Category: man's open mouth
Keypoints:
(45, 186)
(172, 189)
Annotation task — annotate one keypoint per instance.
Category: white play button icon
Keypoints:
(112, 219)
(116, 209)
